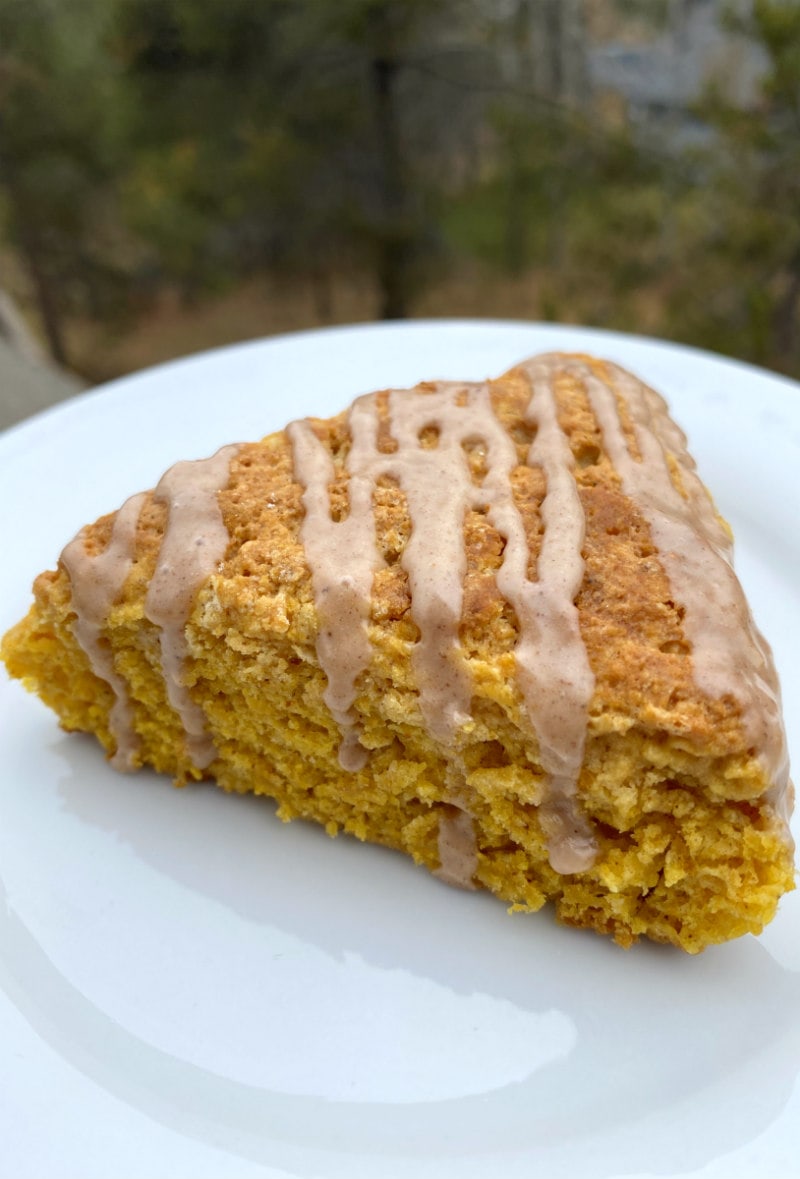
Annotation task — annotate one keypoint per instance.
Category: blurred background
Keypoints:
(178, 174)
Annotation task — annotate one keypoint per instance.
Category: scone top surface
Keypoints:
(443, 533)
(645, 633)
(519, 573)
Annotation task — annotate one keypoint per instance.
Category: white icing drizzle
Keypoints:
(96, 583)
(194, 544)
(553, 669)
(439, 492)
(729, 656)
(555, 678)
(343, 557)
(458, 849)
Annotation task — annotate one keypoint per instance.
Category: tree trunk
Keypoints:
(786, 316)
(393, 245)
(16, 332)
(46, 297)
(517, 203)
(33, 254)
(322, 294)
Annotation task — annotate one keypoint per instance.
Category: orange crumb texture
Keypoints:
(691, 849)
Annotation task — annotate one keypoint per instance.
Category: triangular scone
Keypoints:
(492, 625)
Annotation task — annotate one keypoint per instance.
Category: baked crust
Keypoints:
(691, 837)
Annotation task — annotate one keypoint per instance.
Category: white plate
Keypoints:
(190, 988)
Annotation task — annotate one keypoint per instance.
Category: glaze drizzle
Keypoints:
(555, 677)
(552, 665)
(432, 429)
(193, 546)
(343, 557)
(729, 656)
(96, 584)
(458, 849)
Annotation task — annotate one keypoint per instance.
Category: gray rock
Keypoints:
(29, 385)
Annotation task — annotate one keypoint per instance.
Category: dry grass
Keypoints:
(173, 327)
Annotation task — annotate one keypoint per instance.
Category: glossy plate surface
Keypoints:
(190, 988)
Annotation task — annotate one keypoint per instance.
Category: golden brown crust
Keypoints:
(690, 849)
(631, 627)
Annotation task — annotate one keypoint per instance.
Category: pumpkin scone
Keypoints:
(494, 625)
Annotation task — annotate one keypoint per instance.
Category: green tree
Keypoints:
(287, 133)
(58, 154)
(741, 231)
